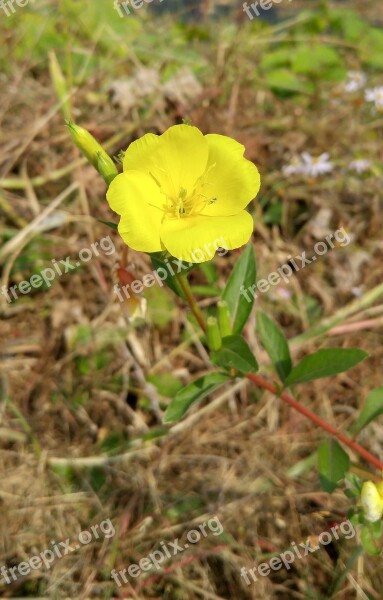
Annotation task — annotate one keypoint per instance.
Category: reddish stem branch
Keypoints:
(317, 420)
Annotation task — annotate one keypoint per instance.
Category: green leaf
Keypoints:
(376, 529)
(243, 274)
(166, 383)
(333, 463)
(342, 573)
(158, 262)
(235, 354)
(371, 410)
(286, 81)
(325, 363)
(371, 48)
(192, 393)
(109, 224)
(367, 539)
(313, 60)
(275, 343)
(275, 58)
(353, 485)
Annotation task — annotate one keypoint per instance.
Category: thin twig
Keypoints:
(333, 431)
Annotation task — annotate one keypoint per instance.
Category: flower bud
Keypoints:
(213, 335)
(372, 501)
(224, 319)
(106, 167)
(93, 151)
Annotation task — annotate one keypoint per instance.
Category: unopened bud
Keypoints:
(93, 151)
(213, 335)
(106, 167)
(224, 319)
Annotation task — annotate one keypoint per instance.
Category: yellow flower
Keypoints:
(182, 191)
(372, 500)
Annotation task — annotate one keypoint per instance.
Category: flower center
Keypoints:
(184, 204)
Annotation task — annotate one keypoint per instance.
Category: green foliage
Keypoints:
(333, 463)
(109, 224)
(276, 58)
(369, 534)
(317, 61)
(166, 383)
(283, 80)
(192, 393)
(243, 274)
(162, 261)
(186, 506)
(371, 48)
(235, 354)
(353, 485)
(275, 343)
(160, 306)
(324, 363)
(348, 24)
(293, 70)
(371, 410)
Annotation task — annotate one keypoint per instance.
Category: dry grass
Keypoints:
(80, 383)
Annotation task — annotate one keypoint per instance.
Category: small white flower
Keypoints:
(317, 166)
(293, 168)
(375, 95)
(309, 165)
(360, 165)
(355, 81)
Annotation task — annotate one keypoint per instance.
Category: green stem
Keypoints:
(185, 286)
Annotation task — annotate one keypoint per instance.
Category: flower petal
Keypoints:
(138, 200)
(175, 160)
(139, 154)
(372, 502)
(196, 239)
(182, 155)
(232, 179)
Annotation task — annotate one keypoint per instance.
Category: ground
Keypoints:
(83, 388)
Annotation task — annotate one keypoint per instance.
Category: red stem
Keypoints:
(317, 420)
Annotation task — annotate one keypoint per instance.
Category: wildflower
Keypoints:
(308, 165)
(360, 165)
(355, 81)
(294, 168)
(375, 95)
(372, 500)
(181, 190)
